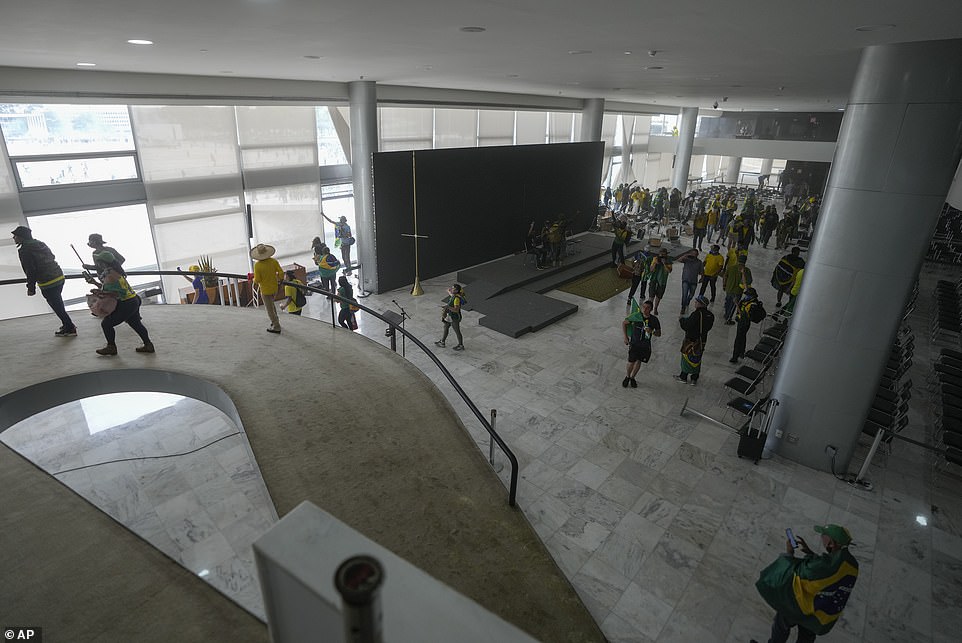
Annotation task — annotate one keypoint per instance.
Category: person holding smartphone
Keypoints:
(809, 593)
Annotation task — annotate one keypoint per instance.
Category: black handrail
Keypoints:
(513, 487)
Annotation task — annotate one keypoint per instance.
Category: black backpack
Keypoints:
(299, 299)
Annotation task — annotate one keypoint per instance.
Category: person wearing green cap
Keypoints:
(809, 592)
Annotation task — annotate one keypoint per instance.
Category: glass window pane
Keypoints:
(270, 157)
(125, 228)
(405, 128)
(287, 218)
(183, 142)
(455, 128)
(31, 129)
(559, 127)
(531, 128)
(197, 207)
(338, 201)
(76, 170)
(329, 148)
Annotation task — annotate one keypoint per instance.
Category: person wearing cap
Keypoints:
(267, 275)
(696, 327)
(638, 329)
(100, 264)
(41, 269)
(200, 292)
(750, 310)
(344, 239)
(451, 316)
(809, 593)
(737, 277)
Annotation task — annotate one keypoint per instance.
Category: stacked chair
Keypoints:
(947, 316)
(946, 379)
(749, 378)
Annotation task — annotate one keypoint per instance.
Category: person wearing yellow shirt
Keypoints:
(291, 294)
(712, 222)
(713, 267)
(267, 275)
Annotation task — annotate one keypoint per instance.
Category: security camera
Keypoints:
(715, 104)
(652, 52)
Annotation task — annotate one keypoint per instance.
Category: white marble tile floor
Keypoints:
(658, 525)
(175, 471)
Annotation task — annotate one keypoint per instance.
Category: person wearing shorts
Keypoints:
(638, 336)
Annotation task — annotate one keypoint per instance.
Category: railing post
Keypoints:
(494, 423)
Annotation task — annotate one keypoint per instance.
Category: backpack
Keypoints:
(299, 299)
(756, 313)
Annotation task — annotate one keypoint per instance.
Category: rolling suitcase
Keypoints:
(754, 433)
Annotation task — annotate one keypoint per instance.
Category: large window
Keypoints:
(125, 228)
(63, 171)
(32, 130)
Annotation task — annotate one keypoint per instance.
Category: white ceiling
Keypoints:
(762, 55)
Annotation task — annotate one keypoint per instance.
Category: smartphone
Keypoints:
(791, 538)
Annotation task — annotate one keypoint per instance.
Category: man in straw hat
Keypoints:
(809, 592)
(267, 275)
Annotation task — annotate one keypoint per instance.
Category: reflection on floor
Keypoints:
(175, 471)
(661, 529)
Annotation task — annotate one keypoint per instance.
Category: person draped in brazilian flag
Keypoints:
(696, 327)
(811, 592)
(783, 277)
(638, 329)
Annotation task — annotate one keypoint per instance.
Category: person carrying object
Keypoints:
(696, 327)
(737, 277)
(712, 268)
(622, 237)
(343, 239)
(294, 297)
(452, 315)
(809, 593)
(127, 311)
(96, 242)
(41, 269)
(346, 317)
(750, 311)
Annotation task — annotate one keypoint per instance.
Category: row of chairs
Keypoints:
(947, 377)
(748, 382)
(947, 313)
(946, 243)
(889, 410)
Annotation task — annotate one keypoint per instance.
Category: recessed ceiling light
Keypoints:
(735, 86)
(841, 109)
(227, 72)
(578, 52)
(138, 41)
(874, 27)
(775, 109)
(312, 57)
(627, 53)
(427, 67)
(654, 67)
(473, 29)
(86, 64)
(203, 51)
(514, 75)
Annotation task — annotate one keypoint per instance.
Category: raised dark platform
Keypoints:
(510, 291)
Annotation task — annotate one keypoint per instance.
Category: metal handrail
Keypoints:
(513, 486)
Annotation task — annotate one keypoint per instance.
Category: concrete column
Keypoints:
(767, 166)
(899, 146)
(733, 169)
(363, 97)
(591, 116)
(686, 141)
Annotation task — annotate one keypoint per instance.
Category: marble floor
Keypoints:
(659, 526)
(174, 470)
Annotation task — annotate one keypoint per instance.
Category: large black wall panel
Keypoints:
(475, 204)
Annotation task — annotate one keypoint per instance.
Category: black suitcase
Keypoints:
(754, 433)
(751, 443)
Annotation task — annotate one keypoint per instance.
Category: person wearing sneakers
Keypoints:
(267, 275)
(127, 311)
(750, 311)
(452, 316)
(658, 272)
(638, 331)
(809, 593)
(696, 327)
(41, 269)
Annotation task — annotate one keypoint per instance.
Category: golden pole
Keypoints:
(416, 291)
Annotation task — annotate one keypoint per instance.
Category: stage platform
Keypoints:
(509, 292)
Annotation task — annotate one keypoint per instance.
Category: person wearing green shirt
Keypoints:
(738, 277)
(811, 592)
(658, 273)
